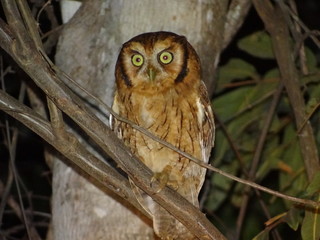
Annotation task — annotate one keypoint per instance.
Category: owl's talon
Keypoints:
(163, 178)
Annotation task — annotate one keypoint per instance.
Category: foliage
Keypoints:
(244, 96)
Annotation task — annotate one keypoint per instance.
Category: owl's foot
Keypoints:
(163, 179)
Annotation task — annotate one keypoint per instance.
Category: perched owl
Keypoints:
(159, 87)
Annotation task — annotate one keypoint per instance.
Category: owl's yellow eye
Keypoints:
(137, 60)
(166, 57)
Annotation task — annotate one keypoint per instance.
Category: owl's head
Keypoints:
(157, 60)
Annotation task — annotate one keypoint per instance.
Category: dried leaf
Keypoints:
(275, 219)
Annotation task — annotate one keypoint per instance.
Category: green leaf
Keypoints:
(272, 74)
(230, 103)
(257, 44)
(237, 109)
(311, 78)
(221, 186)
(266, 167)
(311, 60)
(220, 147)
(294, 180)
(235, 69)
(293, 218)
(233, 102)
(272, 156)
(314, 186)
(264, 235)
(312, 105)
(315, 91)
(310, 229)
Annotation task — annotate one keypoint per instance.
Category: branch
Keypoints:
(6, 36)
(38, 67)
(236, 15)
(278, 29)
(69, 146)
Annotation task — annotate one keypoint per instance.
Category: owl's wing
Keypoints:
(207, 125)
(140, 195)
(113, 122)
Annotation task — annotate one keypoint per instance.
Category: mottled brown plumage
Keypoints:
(159, 88)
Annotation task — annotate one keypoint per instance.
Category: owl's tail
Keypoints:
(167, 227)
(164, 224)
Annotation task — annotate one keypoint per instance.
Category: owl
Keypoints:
(159, 87)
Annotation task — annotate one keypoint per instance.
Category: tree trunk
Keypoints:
(87, 51)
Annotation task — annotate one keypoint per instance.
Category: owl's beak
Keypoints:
(151, 74)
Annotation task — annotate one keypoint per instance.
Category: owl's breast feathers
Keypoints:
(182, 117)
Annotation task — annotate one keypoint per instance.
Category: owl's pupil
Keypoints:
(138, 59)
(165, 57)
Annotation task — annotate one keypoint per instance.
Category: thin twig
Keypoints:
(30, 23)
(42, 9)
(300, 47)
(257, 156)
(303, 26)
(14, 171)
(246, 174)
(232, 145)
(195, 160)
(56, 119)
(308, 117)
(12, 146)
(250, 106)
